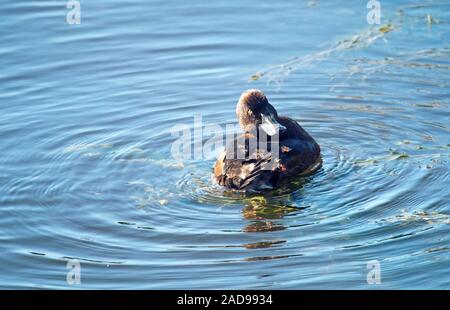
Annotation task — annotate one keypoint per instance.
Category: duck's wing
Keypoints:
(245, 174)
(297, 156)
(298, 150)
(261, 170)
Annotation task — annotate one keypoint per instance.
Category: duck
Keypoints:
(270, 150)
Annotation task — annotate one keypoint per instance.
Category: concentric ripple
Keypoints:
(87, 172)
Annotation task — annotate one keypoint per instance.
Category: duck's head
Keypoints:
(253, 110)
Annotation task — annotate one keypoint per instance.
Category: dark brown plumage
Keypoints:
(251, 164)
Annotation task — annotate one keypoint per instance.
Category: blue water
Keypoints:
(86, 171)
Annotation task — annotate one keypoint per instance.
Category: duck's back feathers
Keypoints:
(260, 170)
(249, 174)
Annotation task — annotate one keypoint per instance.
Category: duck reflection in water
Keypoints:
(265, 214)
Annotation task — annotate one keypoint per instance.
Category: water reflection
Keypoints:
(262, 213)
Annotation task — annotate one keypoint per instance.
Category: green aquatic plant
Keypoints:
(386, 28)
(393, 155)
(256, 76)
(433, 217)
(275, 74)
(418, 151)
(397, 155)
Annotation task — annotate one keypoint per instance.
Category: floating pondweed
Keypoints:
(433, 217)
(276, 73)
(386, 28)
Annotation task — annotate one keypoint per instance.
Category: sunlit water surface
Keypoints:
(86, 170)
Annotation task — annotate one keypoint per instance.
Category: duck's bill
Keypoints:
(271, 125)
